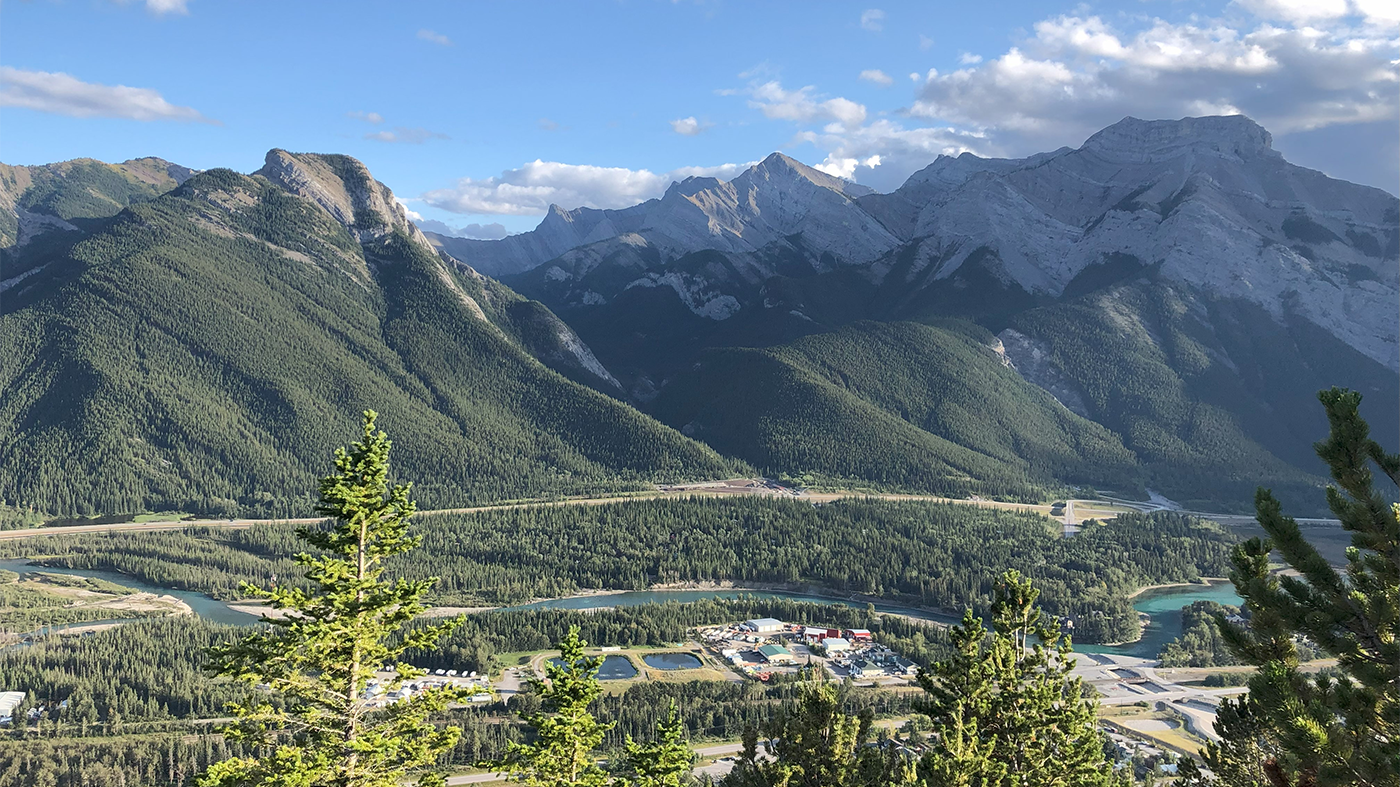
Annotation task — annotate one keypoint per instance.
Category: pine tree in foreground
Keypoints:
(815, 743)
(1006, 710)
(563, 751)
(667, 761)
(566, 734)
(324, 646)
(1342, 726)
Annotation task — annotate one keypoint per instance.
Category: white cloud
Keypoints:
(803, 105)
(412, 214)
(1296, 10)
(925, 43)
(62, 94)
(409, 136)
(873, 19)
(437, 38)
(368, 117)
(530, 190)
(885, 153)
(688, 127)
(969, 59)
(1378, 11)
(1076, 75)
(162, 7)
(877, 76)
(846, 167)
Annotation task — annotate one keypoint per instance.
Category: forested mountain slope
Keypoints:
(900, 404)
(1179, 282)
(206, 349)
(1214, 395)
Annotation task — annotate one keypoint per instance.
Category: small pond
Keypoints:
(614, 668)
(671, 661)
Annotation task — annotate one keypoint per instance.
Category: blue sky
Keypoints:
(479, 115)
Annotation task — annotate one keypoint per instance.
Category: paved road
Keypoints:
(700, 491)
(1173, 696)
(1198, 720)
(694, 490)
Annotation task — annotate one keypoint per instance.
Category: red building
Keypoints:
(858, 635)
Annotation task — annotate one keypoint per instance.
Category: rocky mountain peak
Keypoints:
(692, 185)
(1231, 135)
(782, 171)
(344, 188)
(154, 170)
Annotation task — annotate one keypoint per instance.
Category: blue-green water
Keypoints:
(671, 661)
(613, 668)
(203, 606)
(1163, 606)
(1164, 624)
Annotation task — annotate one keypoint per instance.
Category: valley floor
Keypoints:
(1069, 515)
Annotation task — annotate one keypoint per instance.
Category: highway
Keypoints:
(708, 489)
(727, 488)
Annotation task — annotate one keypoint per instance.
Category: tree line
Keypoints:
(920, 554)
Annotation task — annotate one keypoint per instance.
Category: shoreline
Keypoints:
(805, 593)
(1206, 582)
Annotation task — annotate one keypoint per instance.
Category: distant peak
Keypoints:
(777, 165)
(691, 186)
(776, 159)
(1234, 134)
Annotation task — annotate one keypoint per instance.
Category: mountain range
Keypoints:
(1153, 309)
(205, 348)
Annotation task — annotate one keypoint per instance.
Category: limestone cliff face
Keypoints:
(1206, 201)
(344, 188)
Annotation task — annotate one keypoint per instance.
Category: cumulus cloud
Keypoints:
(368, 117)
(881, 153)
(61, 94)
(884, 153)
(877, 76)
(688, 127)
(1296, 10)
(1076, 75)
(872, 19)
(530, 190)
(408, 136)
(969, 59)
(413, 215)
(803, 105)
(436, 38)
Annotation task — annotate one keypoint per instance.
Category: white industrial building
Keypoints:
(9, 700)
(764, 625)
(836, 644)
